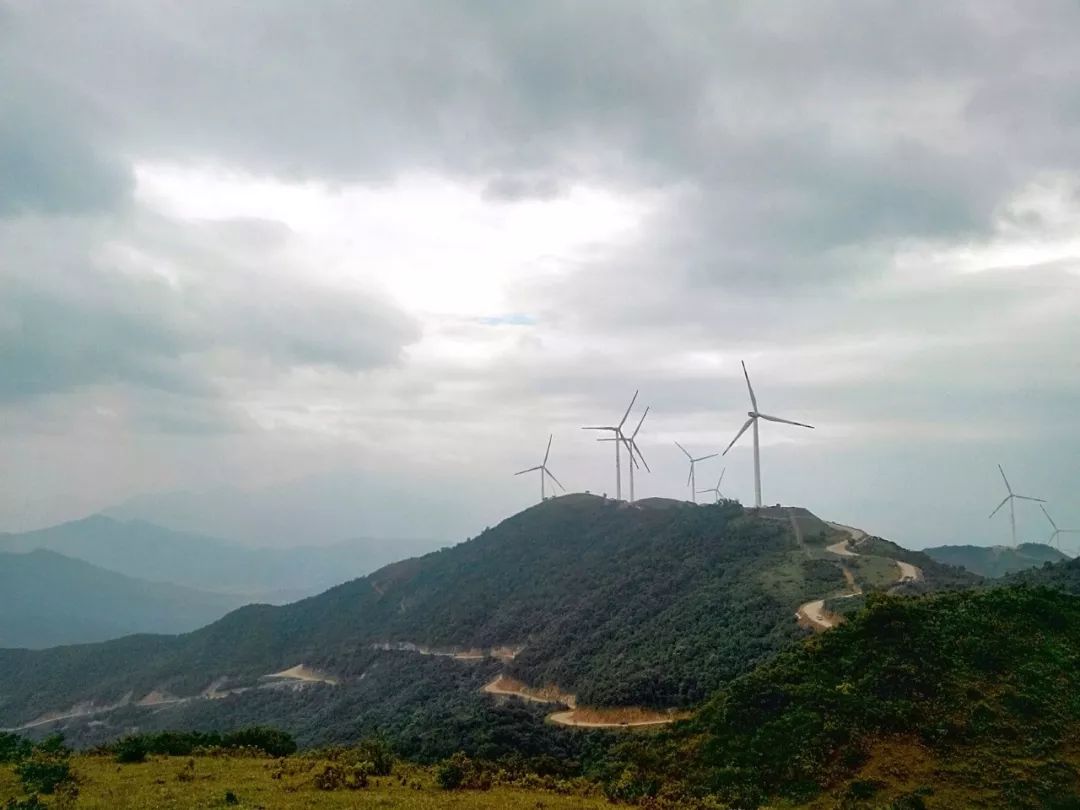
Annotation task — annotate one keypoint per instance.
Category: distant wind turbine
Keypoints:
(753, 420)
(631, 449)
(1010, 499)
(1057, 532)
(544, 472)
(715, 490)
(691, 479)
(617, 433)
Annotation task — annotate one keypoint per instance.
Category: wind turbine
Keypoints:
(755, 416)
(1057, 531)
(715, 490)
(1010, 499)
(631, 449)
(544, 472)
(692, 479)
(616, 430)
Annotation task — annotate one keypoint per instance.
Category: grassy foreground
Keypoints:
(259, 782)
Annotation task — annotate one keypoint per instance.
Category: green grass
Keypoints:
(168, 782)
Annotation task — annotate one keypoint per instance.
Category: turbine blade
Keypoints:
(742, 430)
(1003, 478)
(683, 449)
(628, 407)
(785, 421)
(1004, 501)
(750, 388)
(1029, 498)
(637, 450)
(531, 469)
(711, 455)
(703, 491)
(690, 475)
(642, 419)
(551, 475)
(548, 451)
(599, 427)
(718, 483)
(1048, 516)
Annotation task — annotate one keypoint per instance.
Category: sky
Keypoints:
(295, 272)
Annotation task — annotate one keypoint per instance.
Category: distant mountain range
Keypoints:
(48, 599)
(997, 561)
(145, 551)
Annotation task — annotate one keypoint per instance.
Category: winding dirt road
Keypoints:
(813, 613)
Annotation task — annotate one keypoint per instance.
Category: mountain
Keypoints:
(957, 700)
(655, 604)
(145, 551)
(996, 561)
(1062, 576)
(48, 599)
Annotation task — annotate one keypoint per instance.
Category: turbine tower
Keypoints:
(691, 479)
(544, 472)
(1057, 532)
(631, 449)
(755, 416)
(617, 433)
(1010, 499)
(715, 490)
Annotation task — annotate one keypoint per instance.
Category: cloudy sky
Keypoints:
(299, 271)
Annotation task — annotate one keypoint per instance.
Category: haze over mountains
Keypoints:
(997, 561)
(48, 599)
(146, 551)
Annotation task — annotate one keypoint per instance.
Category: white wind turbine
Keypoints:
(631, 449)
(617, 433)
(755, 415)
(691, 479)
(715, 490)
(1057, 532)
(544, 472)
(1010, 499)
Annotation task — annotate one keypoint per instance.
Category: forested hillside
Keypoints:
(958, 700)
(655, 605)
(1062, 576)
(996, 561)
(48, 599)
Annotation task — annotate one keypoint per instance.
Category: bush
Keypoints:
(131, 749)
(351, 777)
(13, 748)
(460, 772)
(44, 772)
(377, 752)
(272, 741)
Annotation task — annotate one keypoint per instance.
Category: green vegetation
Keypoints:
(1063, 576)
(997, 561)
(974, 692)
(619, 605)
(315, 779)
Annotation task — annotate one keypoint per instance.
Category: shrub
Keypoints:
(43, 772)
(131, 749)
(460, 772)
(272, 741)
(336, 777)
(377, 752)
(13, 748)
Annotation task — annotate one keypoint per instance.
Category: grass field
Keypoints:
(171, 782)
